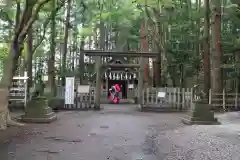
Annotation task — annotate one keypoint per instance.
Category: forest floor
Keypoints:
(119, 132)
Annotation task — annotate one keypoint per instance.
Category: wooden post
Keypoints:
(174, 97)
(147, 93)
(187, 94)
(126, 89)
(140, 82)
(236, 99)
(153, 95)
(25, 93)
(143, 97)
(169, 91)
(183, 97)
(98, 83)
(191, 97)
(210, 97)
(224, 101)
(156, 96)
(107, 87)
(178, 97)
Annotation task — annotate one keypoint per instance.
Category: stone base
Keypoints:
(44, 119)
(38, 111)
(200, 114)
(189, 121)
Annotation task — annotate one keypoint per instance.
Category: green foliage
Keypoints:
(7, 14)
(85, 32)
(4, 50)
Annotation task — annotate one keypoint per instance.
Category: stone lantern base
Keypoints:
(200, 114)
(38, 111)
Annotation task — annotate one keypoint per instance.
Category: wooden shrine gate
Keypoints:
(91, 99)
(101, 53)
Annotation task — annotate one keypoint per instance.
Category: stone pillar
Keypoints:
(98, 83)
(140, 83)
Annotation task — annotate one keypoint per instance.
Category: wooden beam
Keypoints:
(103, 53)
(122, 65)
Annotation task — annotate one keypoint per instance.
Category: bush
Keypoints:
(56, 103)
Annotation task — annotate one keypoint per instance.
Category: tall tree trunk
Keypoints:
(29, 60)
(158, 65)
(206, 49)
(159, 45)
(65, 45)
(197, 47)
(198, 7)
(217, 80)
(9, 68)
(51, 58)
(10, 63)
(144, 48)
(82, 44)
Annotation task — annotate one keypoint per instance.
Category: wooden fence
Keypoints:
(172, 97)
(82, 101)
(182, 98)
(225, 100)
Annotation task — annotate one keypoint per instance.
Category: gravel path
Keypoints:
(121, 133)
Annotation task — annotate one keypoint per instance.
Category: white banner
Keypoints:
(69, 90)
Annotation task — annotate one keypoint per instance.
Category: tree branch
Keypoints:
(45, 24)
(17, 15)
(26, 12)
(42, 36)
(34, 16)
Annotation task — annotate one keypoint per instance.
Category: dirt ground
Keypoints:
(120, 132)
